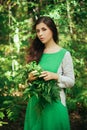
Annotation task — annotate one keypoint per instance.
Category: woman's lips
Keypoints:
(41, 39)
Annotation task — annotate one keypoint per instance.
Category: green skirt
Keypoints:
(53, 117)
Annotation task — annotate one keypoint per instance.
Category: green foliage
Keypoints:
(39, 88)
(77, 95)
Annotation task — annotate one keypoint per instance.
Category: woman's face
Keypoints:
(44, 33)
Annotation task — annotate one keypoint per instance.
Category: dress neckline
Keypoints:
(53, 52)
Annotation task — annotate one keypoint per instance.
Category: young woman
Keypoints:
(57, 65)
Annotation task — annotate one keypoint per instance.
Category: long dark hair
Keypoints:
(35, 50)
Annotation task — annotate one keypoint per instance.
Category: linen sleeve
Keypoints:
(66, 72)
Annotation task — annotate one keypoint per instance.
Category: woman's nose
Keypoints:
(40, 33)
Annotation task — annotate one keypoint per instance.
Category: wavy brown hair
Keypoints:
(36, 48)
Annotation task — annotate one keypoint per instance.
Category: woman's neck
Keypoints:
(52, 47)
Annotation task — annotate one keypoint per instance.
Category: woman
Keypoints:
(57, 65)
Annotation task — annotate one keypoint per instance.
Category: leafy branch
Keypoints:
(45, 91)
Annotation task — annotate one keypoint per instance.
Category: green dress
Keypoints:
(54, 116)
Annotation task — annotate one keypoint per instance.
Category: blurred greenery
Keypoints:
(16, 20)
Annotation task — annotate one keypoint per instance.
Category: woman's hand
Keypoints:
(49, 75)
(32, 76)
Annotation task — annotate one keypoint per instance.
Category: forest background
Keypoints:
(16, 19)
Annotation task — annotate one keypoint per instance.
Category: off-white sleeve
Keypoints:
(66, 72)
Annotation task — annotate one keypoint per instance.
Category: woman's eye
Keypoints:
(37, 31)
(44, 29)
